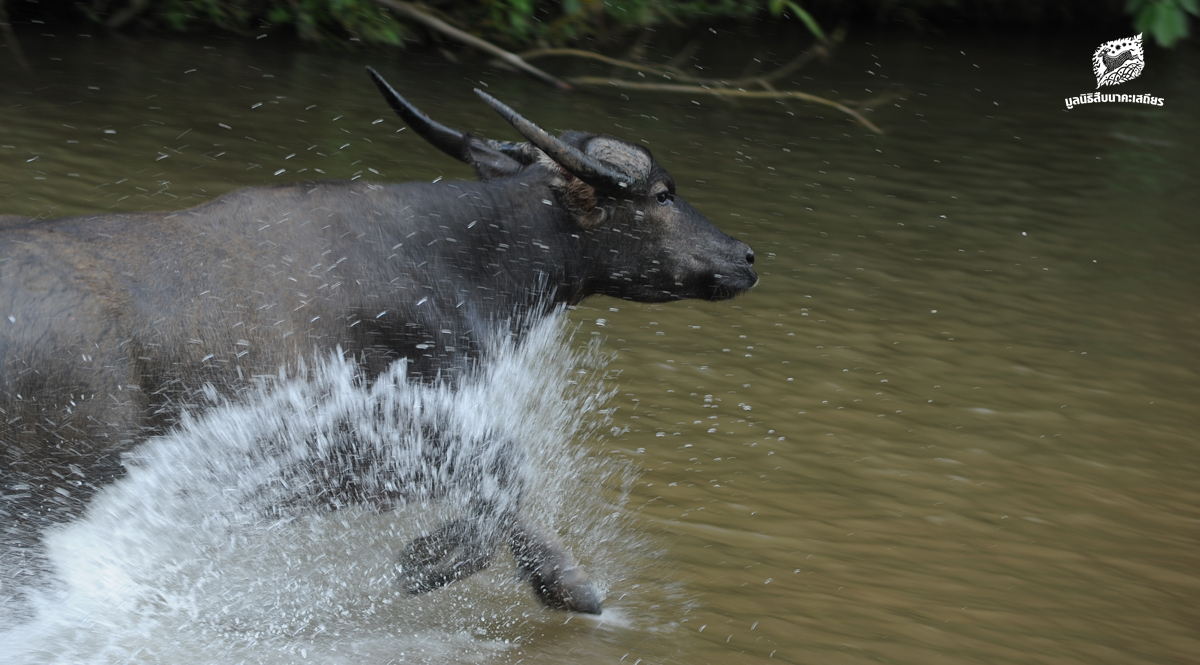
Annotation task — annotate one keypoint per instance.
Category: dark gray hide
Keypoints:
(111, 324)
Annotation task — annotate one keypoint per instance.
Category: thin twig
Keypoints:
(674, 74)
(822, 49)
(754, 64)
(880, 99)
(10, 38)
(411, 12)
(726, 92)
(127, 14)
(799, 61)
(589, 55)
(766, 85)
(689, 49)
(637, 52)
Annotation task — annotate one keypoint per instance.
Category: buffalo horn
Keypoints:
(575, 162)
(450, 141)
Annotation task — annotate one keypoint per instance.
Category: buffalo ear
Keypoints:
(579, 199)
(490, 163)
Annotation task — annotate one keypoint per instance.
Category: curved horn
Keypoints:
(577, 163)
(450, 141)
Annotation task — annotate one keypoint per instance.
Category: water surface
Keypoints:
(953, 423)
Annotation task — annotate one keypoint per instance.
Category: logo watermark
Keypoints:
(1118, 61)
(1113, 63)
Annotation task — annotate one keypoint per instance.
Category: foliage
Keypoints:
(317, 20)
(511, 22)
(777, 7)
(524, 23)
(1165, 20)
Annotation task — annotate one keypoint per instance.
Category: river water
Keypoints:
(955, 421)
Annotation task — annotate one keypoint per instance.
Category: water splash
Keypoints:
(241, 536)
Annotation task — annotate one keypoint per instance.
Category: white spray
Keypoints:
(222, 544)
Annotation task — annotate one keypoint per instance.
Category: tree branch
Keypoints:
(10, 38)
(126, 15)
(617, 62)
(412, 13)
(821, 49)
(670, 72)
(726, 92)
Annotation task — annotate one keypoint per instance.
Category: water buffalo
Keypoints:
(112, 325)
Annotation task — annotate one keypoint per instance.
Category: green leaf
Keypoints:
(1170, 26)
(279, 15)
(806, 18)
(1165, 20)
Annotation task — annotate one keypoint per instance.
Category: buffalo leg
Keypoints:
(455, 550)
(463, 547)
(557, 579)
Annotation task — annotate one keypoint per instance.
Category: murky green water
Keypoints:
(955, 422)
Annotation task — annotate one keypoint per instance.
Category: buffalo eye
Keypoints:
(665, 198)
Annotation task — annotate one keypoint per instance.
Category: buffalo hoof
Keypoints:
(557, 579)
(457, 549)
(569, 590)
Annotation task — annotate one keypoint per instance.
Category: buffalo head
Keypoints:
(645, 243)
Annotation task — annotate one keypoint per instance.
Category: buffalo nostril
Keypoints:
(750, 256)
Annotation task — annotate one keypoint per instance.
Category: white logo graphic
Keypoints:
(1118, 61)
